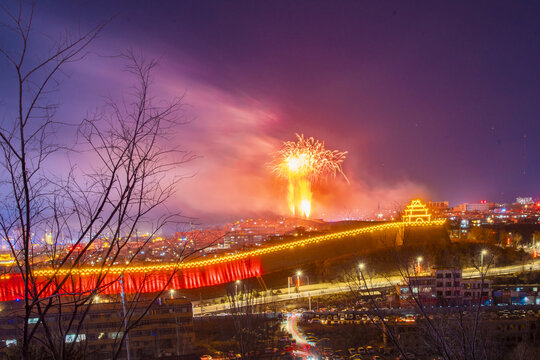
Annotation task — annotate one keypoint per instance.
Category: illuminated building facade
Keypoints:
(481, 207)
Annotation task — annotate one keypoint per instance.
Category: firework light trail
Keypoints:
(305, 162)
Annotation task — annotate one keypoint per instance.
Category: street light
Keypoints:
(298, 274)
(362, 280)
(419, 266)
(236, 287)
(484, 252)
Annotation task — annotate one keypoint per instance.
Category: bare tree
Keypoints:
(242, 305)
(456, 332)
(129, 175)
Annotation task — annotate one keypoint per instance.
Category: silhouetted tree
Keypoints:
(128, 177)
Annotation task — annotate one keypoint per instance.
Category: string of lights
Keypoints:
(131, 268)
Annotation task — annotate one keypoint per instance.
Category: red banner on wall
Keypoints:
(12, 285)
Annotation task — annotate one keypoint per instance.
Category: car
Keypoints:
(315, 321)
(362, 350)
(352, 351)
(369, 350)
(409, 356)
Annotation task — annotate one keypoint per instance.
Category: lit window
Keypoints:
(11, 342)
(116, 335)
(75, 338)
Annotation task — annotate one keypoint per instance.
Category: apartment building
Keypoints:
(165, 329)
(445, 286)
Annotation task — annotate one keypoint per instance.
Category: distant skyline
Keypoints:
(437, 100)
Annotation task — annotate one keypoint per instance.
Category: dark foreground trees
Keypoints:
(447, 329)
(117, 173)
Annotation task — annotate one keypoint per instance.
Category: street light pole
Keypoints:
(289, 279)
(361, 267)
(236, 288)
(298, 274)
(309, 293)
(484, 251)
(419, 261)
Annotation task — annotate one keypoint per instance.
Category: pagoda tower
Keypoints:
(416, 212)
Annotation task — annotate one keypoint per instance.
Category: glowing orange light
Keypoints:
(131, 268)
(302, 163)
(416, 212)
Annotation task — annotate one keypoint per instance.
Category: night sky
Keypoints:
(432, 99)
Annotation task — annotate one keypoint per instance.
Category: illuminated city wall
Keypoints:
(12, 286)
(214, 271)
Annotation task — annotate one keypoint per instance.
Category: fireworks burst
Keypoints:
(303, 163)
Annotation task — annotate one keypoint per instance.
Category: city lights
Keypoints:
(237, 256)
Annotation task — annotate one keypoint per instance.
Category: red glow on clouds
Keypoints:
(235, 137)
(232, 178)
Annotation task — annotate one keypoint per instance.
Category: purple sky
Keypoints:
(438, 100)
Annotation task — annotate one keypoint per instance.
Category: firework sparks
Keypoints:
(302, 163)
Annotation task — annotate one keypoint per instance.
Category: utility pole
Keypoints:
(200, 302)
(123, 297)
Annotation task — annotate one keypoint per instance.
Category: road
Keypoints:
(374, 283)
(302, 348)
